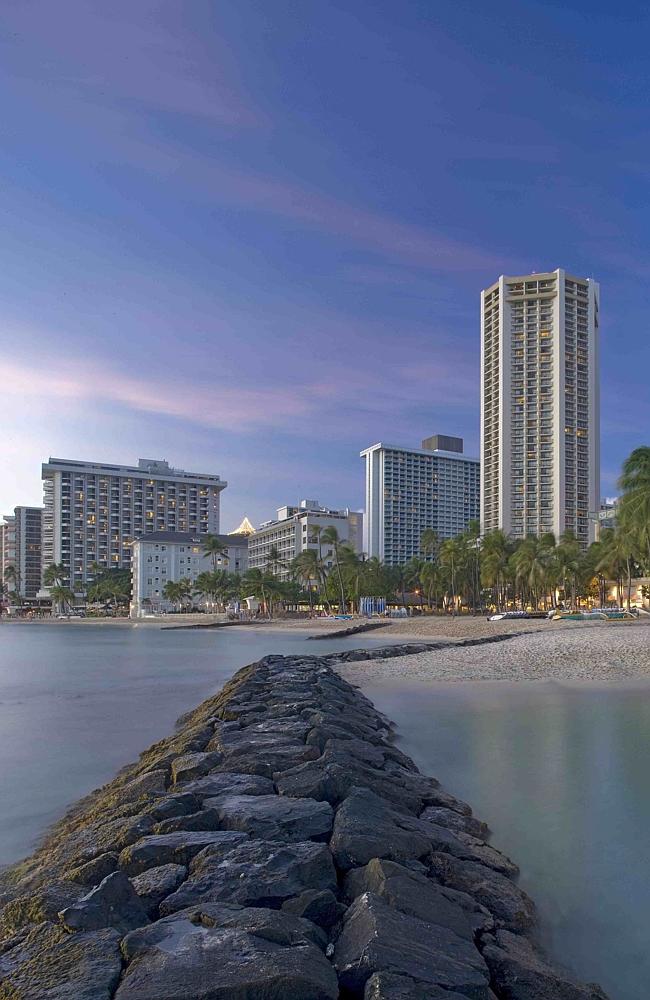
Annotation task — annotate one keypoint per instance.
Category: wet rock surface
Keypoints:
(278, 845)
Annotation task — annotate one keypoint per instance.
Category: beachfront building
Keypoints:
(410, 490)
(608, 514)
(298, 528)
(540, 438)
(161, 557)
(28, 526)
(93, 511)
(8, 550)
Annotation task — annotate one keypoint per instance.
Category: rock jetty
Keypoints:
(278, 846)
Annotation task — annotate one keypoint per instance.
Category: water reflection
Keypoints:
(561, 774)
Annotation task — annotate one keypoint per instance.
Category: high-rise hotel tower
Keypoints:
(540, 412)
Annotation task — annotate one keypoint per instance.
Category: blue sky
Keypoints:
(250, 237)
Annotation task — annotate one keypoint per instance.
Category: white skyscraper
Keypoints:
(93, 511)
(540, 407)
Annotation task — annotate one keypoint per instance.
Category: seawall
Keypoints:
(278, 845)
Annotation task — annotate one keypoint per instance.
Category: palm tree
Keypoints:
(429, 543)
(258, 584)
(567, 558)
(451, 557)
(330, 536)
(431, 579)
(11, 579)
(274, 561)
(214, 547)
(54, 575)
(61, 596)
(530, 562)
(634, 508)
(352, 568)
(495, 552)
(307, 568)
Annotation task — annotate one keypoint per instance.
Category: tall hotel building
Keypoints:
(409, 490)
(540, 434)
(92, 512)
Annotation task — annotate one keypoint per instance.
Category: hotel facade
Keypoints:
(93, 511)
(540, 406)
(298, 528)
(411, 490)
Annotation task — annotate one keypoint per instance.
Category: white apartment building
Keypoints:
(164, 556)
(410, 490)
(8, 547)
(93, 511)
(298, 528)
(540, 407)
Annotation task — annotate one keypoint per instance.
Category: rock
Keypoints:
(52, 965)
(203, 819)
(193, 765)
(172, 848)
(455, 821)
(273, 817)
(319, 906)
(229, 783)
(94, 871)
(179, 959)
(468, 848)
(113, 903)
(157, 883)
(366, 826)
(42, 904)
(388, 986)
(254, 873)
(418, 896)
(519, 972)
(509, 905)
(149, 783)
(377, 938)
(181, 804)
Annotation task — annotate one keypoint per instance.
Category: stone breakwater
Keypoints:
(279, 845)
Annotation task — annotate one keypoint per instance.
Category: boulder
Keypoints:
(180, 959)
(113, 903)
(155, 884)
(456, 821)
(172, 848)
(468, 848)
(50, 964)
(149, 783)
(254, 873)
(273, 817)
(229, 783)
(193, 765)
(38, 905)
(92, 872)
(180, 804)
(418, 896)
(377, 938)
(388, 986)
(508, 904)
(520, 972)
(202, 819)
(318, 905)
(366, 826)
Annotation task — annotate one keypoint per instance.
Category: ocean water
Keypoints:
(561, 772)
(77, 702)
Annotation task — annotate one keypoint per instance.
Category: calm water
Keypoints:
(78, 702)
(562, 775)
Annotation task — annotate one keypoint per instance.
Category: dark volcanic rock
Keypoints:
(509, 905)
(456, 821)
(50, 964)
(179, 959)
(521, 973)
(180, 804)
(419, 896)
(272, 817)
(203, 819)
(193, 765)
(94, 871)
(388, 986)
(157, 883)
(149, 783)
(377, 938)
(366, 826)
(229, 783)
(319, 906)
(113, 903)
(255, 873)
(40, 905)
(172, 848)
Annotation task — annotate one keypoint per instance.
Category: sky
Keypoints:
(249, 237)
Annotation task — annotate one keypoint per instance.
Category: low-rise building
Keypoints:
(298, 528)
(410, 490)
(161, 557)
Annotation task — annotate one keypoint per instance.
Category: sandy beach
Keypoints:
(585, 653)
